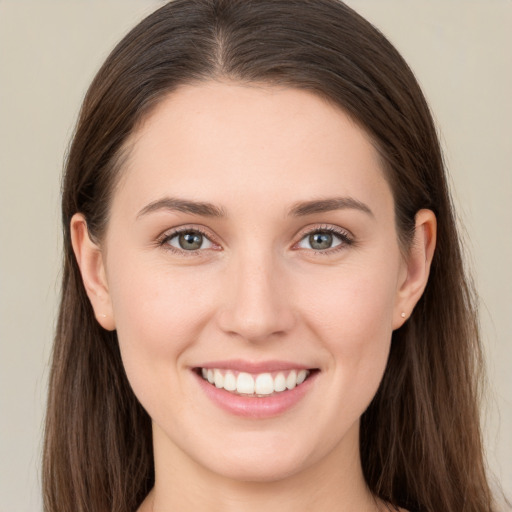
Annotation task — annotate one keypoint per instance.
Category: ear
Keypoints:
(414, 277)
(92, 267)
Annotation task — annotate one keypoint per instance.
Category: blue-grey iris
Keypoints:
(320, 240)
(190, 240)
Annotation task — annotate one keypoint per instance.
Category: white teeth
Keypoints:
(218, 379)
(301, 376)
(291, 380)
(229, 382)
(245, 383)
(280, 382)
(263, 384)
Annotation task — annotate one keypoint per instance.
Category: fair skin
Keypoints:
(269, 279)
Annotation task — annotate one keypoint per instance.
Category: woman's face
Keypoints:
(252, 240)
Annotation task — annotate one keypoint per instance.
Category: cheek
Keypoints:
(355, 303)
(158, 315)
(158, 304)
(354, 323)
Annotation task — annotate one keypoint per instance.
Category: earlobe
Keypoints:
(92, 268)
(417, 266)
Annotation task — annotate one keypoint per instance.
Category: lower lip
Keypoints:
(256, 407)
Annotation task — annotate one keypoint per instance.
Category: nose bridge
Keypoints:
(257, 306)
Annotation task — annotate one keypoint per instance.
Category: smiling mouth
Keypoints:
(254, 385)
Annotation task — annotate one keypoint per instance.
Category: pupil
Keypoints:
(320, 241)
(190, 241)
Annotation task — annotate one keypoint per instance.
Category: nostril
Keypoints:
(255, 316)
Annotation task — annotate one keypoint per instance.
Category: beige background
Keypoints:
(49, 51)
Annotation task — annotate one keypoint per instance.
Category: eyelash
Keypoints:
(345, 237)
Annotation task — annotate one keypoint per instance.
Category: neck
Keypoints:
(335, 483)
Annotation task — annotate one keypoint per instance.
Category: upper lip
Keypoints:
(254, 366)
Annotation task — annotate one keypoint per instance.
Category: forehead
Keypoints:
(217, 141)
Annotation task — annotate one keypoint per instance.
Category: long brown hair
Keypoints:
(421, 444)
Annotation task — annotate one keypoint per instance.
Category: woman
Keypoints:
(264, 301)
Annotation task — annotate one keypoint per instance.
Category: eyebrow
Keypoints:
(299, 209)
(184, 206)
(303, 208)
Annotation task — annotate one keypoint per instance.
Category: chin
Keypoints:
(261, 462)
(264, 472)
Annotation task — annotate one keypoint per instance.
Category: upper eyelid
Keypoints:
(170, 233)
(324, 227)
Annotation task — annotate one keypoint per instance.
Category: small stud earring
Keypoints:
(403, 314)
(103, 315)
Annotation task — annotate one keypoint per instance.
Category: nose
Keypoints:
(257, 305)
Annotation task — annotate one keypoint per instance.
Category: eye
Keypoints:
(188, 240)
(324, 239)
